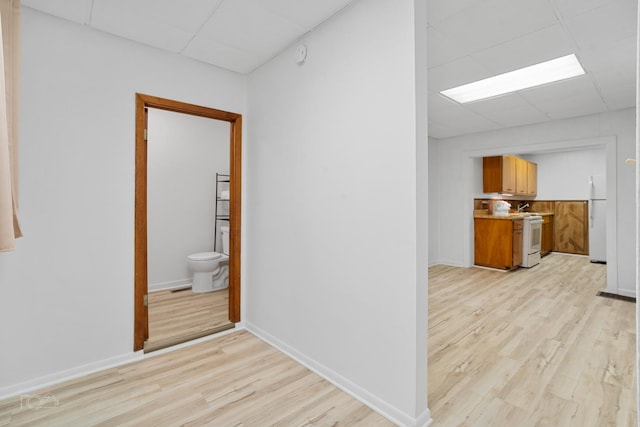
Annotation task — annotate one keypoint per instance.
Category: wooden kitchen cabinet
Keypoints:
(498, 242)
(517, 243)
(546, 243)
(509, 175)
(532, 178)
(499, 174)
(522, 176)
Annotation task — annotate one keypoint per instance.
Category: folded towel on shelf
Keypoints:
(224, 195)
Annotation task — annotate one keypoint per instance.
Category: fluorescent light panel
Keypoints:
(524, 78)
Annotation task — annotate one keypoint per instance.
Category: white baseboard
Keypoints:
(380, 406)
(68, 374)
(165, 286)
(425, 419)
(372, 401)
(449, 262)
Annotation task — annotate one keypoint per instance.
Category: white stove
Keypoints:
(531, 238)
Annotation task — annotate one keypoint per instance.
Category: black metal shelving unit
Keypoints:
(220, 179)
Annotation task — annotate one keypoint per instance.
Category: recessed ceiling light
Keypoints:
(524, 78)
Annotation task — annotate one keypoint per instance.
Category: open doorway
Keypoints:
(141, 282)
(187, 210)
(605, 146)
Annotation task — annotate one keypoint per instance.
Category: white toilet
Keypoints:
(211, 269)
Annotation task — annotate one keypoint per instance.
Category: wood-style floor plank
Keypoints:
(532, 347)
(234, 380)
(180, 316)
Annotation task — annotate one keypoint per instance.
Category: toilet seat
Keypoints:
(204, 256)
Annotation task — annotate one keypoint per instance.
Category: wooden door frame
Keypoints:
(143, 102)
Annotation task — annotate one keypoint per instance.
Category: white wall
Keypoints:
(67, 291)
(184, 153)
(565, 175)
(334, 170)
(434, 210)
(455, 220)
(637, 193)
(562, 175)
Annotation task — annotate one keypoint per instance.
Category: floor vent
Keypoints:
(181, 289)
(616, 296)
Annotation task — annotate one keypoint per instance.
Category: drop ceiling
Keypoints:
(239, 35)
(468, 40)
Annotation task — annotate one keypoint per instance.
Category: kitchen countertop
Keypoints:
(484, 213)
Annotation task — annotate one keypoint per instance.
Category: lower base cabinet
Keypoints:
(517, 243)
(546, 243)
(498, 242)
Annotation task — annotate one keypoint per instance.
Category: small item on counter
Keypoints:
(492, 204)
(501, 208)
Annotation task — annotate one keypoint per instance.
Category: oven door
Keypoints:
(535, 233)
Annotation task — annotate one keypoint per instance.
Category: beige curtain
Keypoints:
(9, 85)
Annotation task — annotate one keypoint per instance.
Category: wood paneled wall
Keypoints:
(571, 227)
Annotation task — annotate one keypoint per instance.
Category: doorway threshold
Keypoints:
(170, 342)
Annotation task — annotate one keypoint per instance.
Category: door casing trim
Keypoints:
(143, 102)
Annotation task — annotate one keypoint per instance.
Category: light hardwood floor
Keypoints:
(180, 316)
(234, 380)
(531, 347)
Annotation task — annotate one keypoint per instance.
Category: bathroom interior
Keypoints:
(188, 227)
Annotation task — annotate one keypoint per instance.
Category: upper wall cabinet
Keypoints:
(522, 176)
(509, 175)
(532, 179)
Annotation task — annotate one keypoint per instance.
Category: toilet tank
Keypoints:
(225, 239)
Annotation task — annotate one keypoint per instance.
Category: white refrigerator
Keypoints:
(598, 218)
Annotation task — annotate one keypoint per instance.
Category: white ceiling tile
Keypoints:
(71, 10)
(305, 13)
(492, 22)
(440, 103)
(440, 10)
(211, 52)
(441, 49)
(450, 113)
(618, 57)
(569, 8)
(456, 73)
(508, 110)
(163, 24)
(152, 33)
(187, 15)
(569, 98)
(617, 97)
(606, 24)
(240, 25)
(539, 46)
(614, 70)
